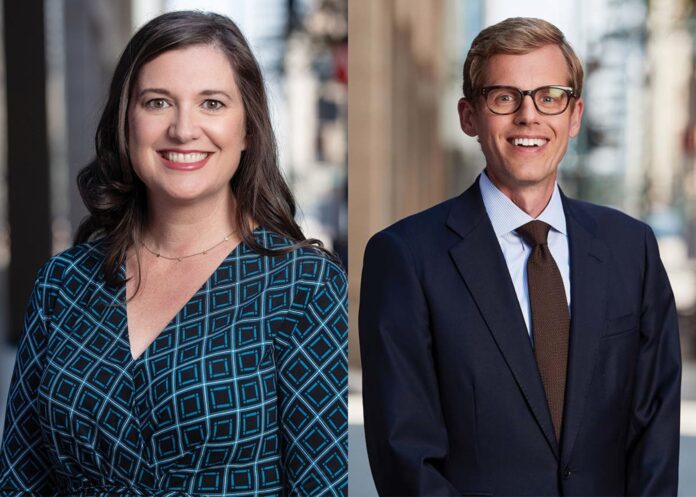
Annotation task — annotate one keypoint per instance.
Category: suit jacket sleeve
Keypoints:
(653, 437)
(404, 426)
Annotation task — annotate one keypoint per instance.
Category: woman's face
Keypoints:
(186, 125)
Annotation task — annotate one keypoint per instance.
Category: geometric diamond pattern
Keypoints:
(243, 393)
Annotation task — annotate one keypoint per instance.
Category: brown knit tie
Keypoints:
(550, 318)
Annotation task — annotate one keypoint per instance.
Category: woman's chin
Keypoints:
(182, 197)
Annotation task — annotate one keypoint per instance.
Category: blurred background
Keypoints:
(56, 62)
(636, 151)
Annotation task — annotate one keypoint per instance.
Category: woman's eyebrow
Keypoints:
(154, 90)
(209, 93)
(163, 91)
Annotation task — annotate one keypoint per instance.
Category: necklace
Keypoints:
(179, 259)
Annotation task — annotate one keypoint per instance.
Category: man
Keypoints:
(515, 341)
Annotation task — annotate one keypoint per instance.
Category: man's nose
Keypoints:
(184, 126)
(527, 113)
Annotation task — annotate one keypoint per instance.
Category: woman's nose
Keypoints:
(184, 126)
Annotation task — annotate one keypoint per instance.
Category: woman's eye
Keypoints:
(157, 103)
(212, 104)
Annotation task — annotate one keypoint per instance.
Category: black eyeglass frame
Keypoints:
(569, 90)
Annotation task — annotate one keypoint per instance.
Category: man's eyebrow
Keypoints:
(162, 91)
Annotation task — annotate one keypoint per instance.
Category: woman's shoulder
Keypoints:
(84, 258)
(310, 262)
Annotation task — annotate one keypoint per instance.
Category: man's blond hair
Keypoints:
(516, 36)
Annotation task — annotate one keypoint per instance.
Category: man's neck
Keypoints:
(532, 199)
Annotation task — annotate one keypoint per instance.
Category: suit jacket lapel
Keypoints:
(588, 277)
(480, 262)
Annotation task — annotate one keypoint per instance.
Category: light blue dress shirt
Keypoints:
(506, 217)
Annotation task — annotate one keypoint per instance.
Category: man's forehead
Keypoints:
(541, 66)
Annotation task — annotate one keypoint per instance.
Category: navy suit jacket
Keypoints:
(453, 400)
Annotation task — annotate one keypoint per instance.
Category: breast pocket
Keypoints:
(617, 355)
(624, 325)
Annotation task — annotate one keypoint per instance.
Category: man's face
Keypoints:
(512, 166)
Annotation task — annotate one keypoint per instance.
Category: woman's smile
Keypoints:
(184, 160)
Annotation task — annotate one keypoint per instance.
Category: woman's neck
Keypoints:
(184, 228)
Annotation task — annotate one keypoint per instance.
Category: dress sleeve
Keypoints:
(24, 462)
(312, 364)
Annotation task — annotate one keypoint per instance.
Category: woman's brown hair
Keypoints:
(115, 196)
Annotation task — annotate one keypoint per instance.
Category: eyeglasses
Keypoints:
(548, 100)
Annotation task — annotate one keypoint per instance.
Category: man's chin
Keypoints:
(522, 180)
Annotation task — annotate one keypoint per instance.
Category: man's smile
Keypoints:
(528, 142)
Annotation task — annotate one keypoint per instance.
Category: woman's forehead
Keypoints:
(195, 68)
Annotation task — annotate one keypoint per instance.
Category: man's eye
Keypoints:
(157, 103)
(212, 104)
(550, 96)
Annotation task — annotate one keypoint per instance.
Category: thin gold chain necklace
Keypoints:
(179, 259)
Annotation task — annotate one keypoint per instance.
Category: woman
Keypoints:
(193, 342)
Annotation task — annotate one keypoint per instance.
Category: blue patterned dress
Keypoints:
(243, 393)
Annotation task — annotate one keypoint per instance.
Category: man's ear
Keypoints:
(576, 117)
(467, 117)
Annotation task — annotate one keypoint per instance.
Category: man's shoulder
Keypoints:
(627, 238)
(604, 220)
(426, 220)
(424, 227)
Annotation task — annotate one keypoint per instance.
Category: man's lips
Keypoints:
(184, 160)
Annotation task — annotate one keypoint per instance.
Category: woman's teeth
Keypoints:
(184, 158)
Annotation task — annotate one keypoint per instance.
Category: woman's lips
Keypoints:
(184, 160)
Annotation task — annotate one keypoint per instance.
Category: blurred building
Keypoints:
(316, 75)
(397, 162)
(668, 197)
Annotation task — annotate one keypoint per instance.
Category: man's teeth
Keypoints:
(528, 142)
(185, 158)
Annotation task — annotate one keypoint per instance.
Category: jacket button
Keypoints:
(566, 473)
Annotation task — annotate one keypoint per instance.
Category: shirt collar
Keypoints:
(505, 216)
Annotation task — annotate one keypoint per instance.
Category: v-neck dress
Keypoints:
(244, 393)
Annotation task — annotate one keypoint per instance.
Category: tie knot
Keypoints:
(535, 232)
